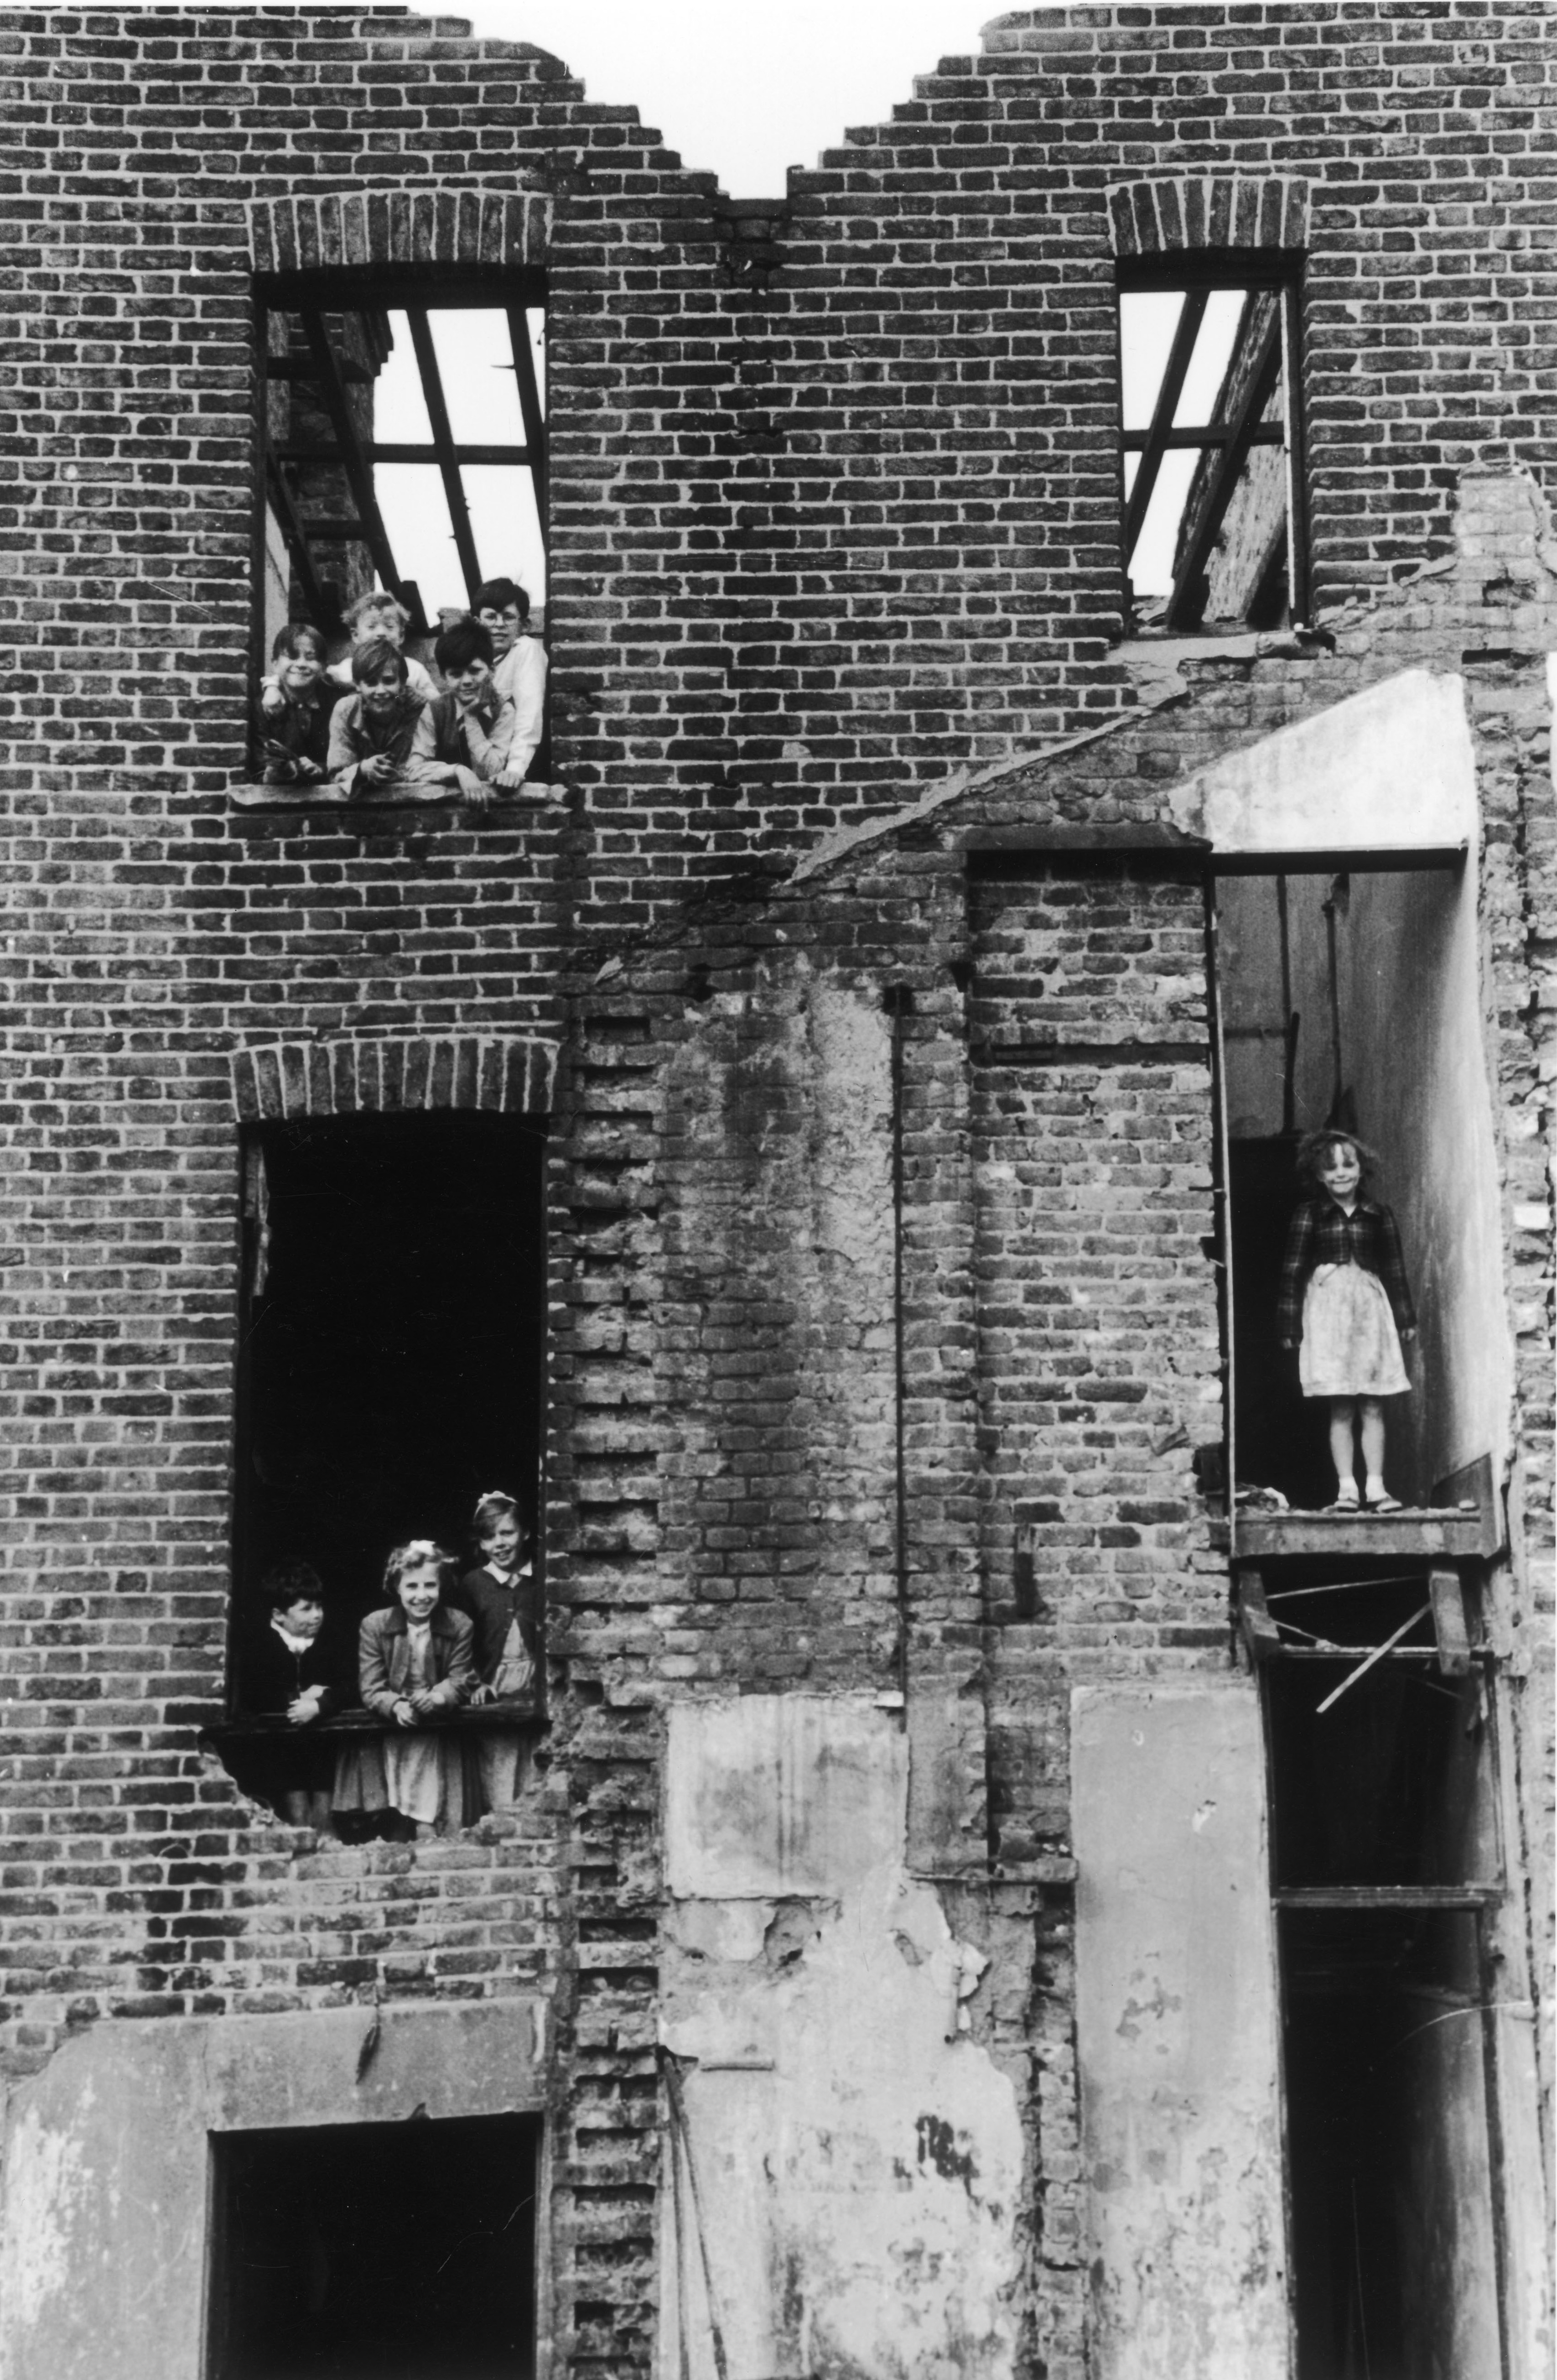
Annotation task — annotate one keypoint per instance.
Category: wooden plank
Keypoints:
(444, 445)
(1449, 1622)
(1229, 465)
(1260, 1635)
(1388, 1896)
(1395, 1536)
(359, 478)
(1476, 1483)
(531, 414)
(1153, 441)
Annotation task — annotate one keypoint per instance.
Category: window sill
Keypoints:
(531, 800)
(278, 1729)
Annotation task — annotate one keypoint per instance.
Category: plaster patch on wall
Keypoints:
(47, 2191)
(844, 2199)
(1392, 767)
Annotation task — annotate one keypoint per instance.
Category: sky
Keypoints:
(743, 91)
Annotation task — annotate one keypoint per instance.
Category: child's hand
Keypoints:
(425, 1699)
(304, 1710)
(379, 769)
(485, 1694)
(405, 1712)
(272, 702)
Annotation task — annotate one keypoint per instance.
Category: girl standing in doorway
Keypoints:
(1346, 1305)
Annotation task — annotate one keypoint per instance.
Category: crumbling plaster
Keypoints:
(847, 2192)
(106, 2179)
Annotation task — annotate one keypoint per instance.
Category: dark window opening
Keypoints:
(403, 424)
(392, 1362)
(1387, 1782)
(1393, 2230)
(376, 2252)
(1210, 449)
(1387, 1873)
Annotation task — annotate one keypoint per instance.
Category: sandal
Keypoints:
(1347, 1505)
(1384, 1503)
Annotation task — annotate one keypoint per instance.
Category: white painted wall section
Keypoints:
(1391, 769)
(1176, 2033)
(846, 2194)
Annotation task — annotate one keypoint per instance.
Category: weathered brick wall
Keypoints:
(834, 507)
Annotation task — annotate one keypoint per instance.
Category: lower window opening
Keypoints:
(376, 2252)
(391, 1396)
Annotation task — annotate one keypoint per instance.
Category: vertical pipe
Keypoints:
(900, 1005)
(1288, 1038)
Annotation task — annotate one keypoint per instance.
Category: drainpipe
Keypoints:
(898, 1004)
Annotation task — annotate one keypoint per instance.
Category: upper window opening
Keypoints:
(405, 458)
(1211, 480)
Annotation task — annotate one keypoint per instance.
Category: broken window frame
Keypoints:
(1197, 273)
(415, 291)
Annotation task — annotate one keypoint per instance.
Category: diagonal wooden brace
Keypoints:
(1260, 1635)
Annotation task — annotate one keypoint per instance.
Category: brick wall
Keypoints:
(834, 507)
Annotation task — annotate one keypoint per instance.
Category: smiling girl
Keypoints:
(1345, 1305)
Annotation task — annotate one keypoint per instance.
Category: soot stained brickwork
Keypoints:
(860, 982)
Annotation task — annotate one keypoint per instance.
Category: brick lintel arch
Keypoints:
(284, 1080)
(400, 227)
(1211, 211)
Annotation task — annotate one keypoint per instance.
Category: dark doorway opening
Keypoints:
(1394, 2247)
(376, 2252)
(393, 1343)
(1281, 1436)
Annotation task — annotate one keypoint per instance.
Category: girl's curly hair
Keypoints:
(1313, 1152)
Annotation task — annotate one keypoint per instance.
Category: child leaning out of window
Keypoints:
(290, 1666)
(464, 735)
(295, 722)
(500, 1596)
(414, 1663)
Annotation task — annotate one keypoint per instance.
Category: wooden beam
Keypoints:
(1216, 434)
(1155, 441)
(374, 450)
(1229, 468)
(443, 446)
(1260, 1635)
(359, 478)
(279, 497)
(1449, 1622)
(534, 418)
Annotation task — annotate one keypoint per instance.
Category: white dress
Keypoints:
(1350, 1345)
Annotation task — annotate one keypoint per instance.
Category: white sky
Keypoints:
(743, 92)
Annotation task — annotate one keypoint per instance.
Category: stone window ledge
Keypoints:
(544, 804)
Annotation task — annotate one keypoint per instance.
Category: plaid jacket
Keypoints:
(1321, 1234)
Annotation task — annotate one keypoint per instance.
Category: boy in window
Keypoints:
(371, 731)
(375, 618)
(295, 724)
(469, 729)
(502, 607)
